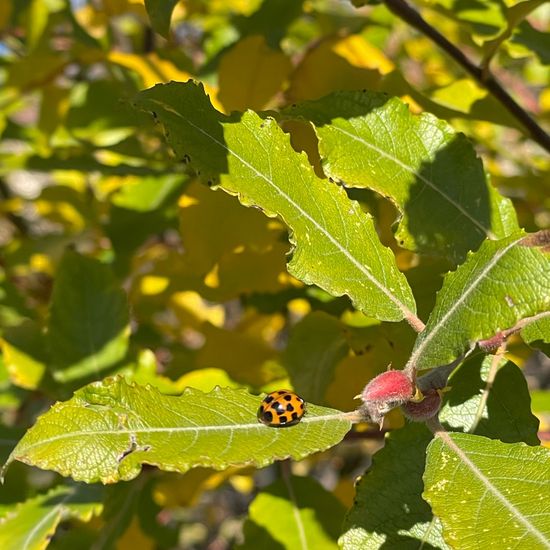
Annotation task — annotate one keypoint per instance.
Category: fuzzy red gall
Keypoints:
(428, 407)
(392, 386)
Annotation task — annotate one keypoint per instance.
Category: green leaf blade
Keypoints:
(431, 173)
(89, 325)
(471, 482)
(480, 298)
(32, 523)
(109, 429)
(308, 516)
(160, 14)
(336, 244)
(389, 511)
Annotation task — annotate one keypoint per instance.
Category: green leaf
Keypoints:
(25, 354)
(490, 397)
(336, 245)
(514, 16)
(420, 163)
(388, 511)
(503, 282)
(476, 485)
(293, 512)
(109, 429)
(88, 329)
(32, 523)
(537, 334)
(315, 347)
(148, 193)
(160, 14)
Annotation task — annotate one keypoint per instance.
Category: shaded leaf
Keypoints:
(337, 247)
(315, 347)
(389, 510)
(109, 429)
(147, 193)
(88, 329)
(32, 523)
(470, 481)
(250, 74)
(338, 63)
(160, 14)
(502, 283)
(495, 405)
(307, 516)
(369, 140)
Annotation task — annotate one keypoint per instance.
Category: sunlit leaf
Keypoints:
(480, 298)
(253, 159)
(470, 481)
(431, 173)
(25, 354)
(109, 429)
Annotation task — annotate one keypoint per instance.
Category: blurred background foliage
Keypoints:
(193, 283)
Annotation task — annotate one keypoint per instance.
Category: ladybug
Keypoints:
(281, 408)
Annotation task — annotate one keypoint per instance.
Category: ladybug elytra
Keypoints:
(281, 408)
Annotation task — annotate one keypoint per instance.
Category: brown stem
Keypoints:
(482, 75)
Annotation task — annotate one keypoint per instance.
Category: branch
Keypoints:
(482, 75)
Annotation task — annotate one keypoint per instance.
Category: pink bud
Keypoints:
(425, 409)
(391, 386)
(388, 390)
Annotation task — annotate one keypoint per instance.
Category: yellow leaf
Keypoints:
(6, 9)
(348, 63)
(460, 95)
(247, 353)
(151, 284)
(175, 491)
(246, 255)
(206, 380)
(303, 138)
(250, 74)
(243, 7)
(191, 309)
(150, 68)
(24, 370)
(134, 538)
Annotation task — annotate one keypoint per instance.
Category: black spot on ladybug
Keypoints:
(268, 417)
(294, 416)
(289, 407)
(287, 397)
(269, 399)
(283, 419)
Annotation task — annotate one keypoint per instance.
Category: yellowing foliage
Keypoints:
(250, 74)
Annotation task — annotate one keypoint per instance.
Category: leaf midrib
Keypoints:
(457, 303)
(464, 456)
(177, 429)
(364, 270)
(485, 230)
